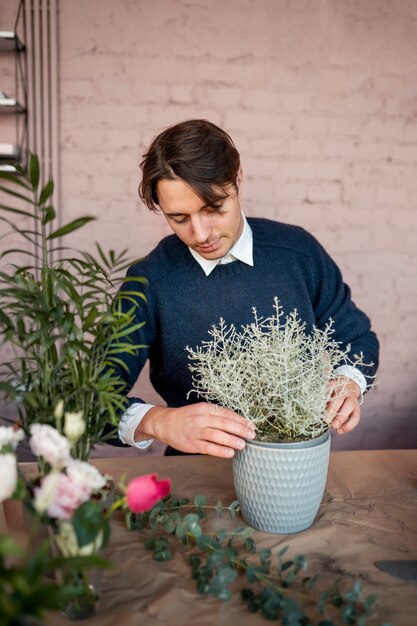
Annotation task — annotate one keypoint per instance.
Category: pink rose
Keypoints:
(60, 495)
(142, 492)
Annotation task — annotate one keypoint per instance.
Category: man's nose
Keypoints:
(201, 229)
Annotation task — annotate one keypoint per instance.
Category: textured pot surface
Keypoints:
(280, 486)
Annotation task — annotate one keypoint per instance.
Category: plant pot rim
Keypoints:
(290, 445)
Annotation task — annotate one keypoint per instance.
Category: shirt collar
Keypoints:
(241, 251)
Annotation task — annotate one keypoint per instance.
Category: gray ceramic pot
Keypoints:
(280, 485)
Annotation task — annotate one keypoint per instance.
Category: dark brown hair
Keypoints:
(198, 152)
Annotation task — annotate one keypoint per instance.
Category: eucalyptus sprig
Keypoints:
(277, 586)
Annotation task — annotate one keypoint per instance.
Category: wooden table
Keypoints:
(368, 513)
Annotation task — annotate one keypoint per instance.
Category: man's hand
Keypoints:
(201, 428)
(343, 411)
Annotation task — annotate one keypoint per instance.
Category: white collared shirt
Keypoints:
(241, 251)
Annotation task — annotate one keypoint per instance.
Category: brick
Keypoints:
(309, 126)
(345, 127)
(270, 147)
(346, 149)
(384, 128)
(374, 151)
(182, 93)
(260, 124)
(405, 154)
(305, 148)
(323, 192)
(393, 196)
(218, 95)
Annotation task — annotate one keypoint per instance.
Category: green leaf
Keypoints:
(195, 560)
(17, 211)
(149, 544)
(163, 555)
(300, 562)
(16, 180)
(46, 192)
(16, 194)
(250, 545)
(252, 573)
(349, 614)
(8, 547)
(286, 565)
(70, 227)
(34, 172)
(370, 601)
(87, 521)
(247, 532)
(200, 500)
(283, 551)
(48, 214)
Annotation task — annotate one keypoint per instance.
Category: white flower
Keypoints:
(74, 426)
(59, 410)
(86, 475)
(48, 443)
(46, 493)
(10, 437)
(8, 475)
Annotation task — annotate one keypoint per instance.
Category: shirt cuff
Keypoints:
(130, 421)
(356, 375)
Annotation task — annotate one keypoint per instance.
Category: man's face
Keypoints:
(210, 232)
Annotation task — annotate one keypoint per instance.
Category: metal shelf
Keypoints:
(10, 105)
(9, 41)
(8, 167)
(9, 152)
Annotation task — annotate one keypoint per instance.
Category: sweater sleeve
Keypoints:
(332, 300)
(135, 295)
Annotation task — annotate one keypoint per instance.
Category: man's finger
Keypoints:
(351, 423)
(344, 412)
(332, 409)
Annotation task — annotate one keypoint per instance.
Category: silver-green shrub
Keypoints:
(273, 372)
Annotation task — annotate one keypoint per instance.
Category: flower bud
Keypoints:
(144, 491)
(74, 426)
(59, 410)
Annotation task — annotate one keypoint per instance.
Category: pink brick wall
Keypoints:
(321, 99)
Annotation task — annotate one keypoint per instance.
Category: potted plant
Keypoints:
(60, 317)
(277, 375)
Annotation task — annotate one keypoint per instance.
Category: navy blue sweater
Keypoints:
(183, 303)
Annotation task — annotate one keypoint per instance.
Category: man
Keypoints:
(218, 264)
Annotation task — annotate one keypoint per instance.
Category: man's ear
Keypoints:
(239, 179)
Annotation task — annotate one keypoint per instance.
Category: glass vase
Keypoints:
(87, 586)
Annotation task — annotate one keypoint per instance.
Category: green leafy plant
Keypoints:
(273, 373)
(276, 585)
(60, 316)
(25, 589)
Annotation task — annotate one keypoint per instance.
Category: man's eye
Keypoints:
(180, 221)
